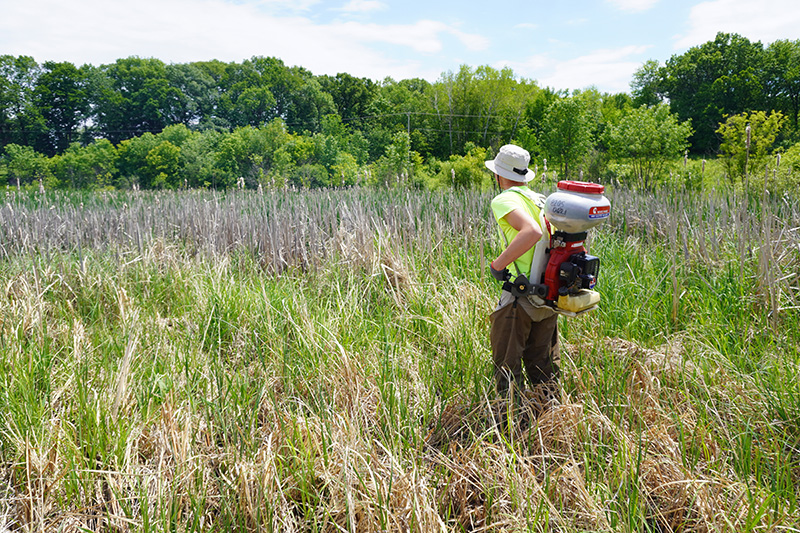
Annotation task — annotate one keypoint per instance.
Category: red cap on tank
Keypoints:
(584, 187)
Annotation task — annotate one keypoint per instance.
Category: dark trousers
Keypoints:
(517, 340)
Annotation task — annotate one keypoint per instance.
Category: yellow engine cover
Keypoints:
(579, 302)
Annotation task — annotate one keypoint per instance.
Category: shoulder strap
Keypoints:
(534, 200)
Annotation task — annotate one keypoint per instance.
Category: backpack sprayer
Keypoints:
(563, 274)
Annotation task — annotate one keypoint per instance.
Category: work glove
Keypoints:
(500, 275)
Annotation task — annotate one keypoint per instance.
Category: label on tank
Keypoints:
(600, 211)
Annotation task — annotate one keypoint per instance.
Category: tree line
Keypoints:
(721, 78)
(139, 122)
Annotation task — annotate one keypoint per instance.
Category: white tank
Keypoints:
(577, 206)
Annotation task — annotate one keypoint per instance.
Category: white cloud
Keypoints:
(608, 68)
(763, 20)
(278, 6)
(422, 36)
(178, 31)
(362, 6)
(633, 6)
(530, 66)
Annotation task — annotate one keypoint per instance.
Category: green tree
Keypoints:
(61, 95)
(199, 158)
(788, 171)
(567, 133)
(218, 106)
(234, 157)
(467, 171)
(721, 77)
(296, 163)
(394, 167)
(646, 84)
(298, 98)
(132, 160)
(648, 137)
(409, 103)
(309, 105)
(272, 73)
(352, 96)
(783, 80)
(249, 153)
(531, 131)
(309, 175)
(163, 166)
(523, 92)
(282, 167)
(134, 96)
(474, 105)
(20, 120)
(153, 161)
(25, 166)
(89, 167)
(254, 106)
(497, 109)
(199, 94)
(747, 139)
(345, 170)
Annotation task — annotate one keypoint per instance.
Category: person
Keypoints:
(522, 331)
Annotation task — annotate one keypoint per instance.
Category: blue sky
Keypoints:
(562, 45)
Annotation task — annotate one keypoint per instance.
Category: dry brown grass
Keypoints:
(484, 467)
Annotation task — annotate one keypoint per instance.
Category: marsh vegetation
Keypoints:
(319, 361)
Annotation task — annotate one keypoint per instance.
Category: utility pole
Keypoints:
(408, 129)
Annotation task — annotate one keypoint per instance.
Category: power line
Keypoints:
(442, 116)
(421, 113)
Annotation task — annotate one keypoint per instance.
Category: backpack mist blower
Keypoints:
(563, 274)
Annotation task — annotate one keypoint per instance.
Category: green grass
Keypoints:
(208, 376)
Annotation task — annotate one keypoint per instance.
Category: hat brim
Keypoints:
(510, 174)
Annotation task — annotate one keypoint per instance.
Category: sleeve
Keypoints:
(503, 204)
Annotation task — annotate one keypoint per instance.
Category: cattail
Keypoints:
(747, 141)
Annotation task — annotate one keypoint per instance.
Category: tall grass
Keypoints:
(319, 361)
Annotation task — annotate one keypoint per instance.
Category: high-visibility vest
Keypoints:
(534, 204)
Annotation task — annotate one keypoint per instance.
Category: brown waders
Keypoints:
(517, 339)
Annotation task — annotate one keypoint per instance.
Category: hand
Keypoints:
(499, 275)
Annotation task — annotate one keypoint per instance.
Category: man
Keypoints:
(523, 332)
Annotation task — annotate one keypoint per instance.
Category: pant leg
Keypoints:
(541, 355)
(510, 332)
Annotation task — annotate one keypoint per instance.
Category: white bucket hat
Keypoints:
(511, 163)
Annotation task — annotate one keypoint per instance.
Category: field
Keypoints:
(319, 361)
